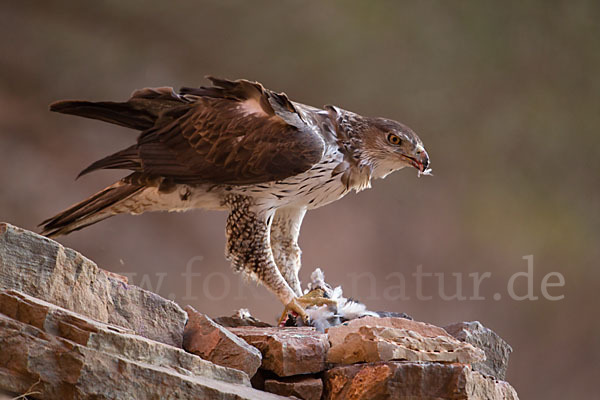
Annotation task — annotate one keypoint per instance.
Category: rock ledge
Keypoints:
(69, 329)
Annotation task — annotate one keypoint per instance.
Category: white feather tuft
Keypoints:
(326, 316)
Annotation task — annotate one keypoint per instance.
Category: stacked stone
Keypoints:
(361, 359)
(69, 329)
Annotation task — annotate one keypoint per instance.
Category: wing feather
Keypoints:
(235, 132)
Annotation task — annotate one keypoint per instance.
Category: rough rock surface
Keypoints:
(287, 351)
(96, 337)
(371, 339)
(76, 357)
(302, 387)
(43, 268)
(209, 340)
(412, 380)
(497, 351)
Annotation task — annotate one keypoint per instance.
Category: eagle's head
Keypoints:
(389, 146)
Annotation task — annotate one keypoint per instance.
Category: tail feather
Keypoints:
(89, 211)
(124, 159)
(140, 112)
(124, 114)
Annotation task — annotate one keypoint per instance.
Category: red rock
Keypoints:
(97, 337)
(497, 351)
(288, 351)
(116, 276)
(411, 380)
(371, 339)
(42, 268)
(336, 334)
(64, 355)
(210, 341)
(303, 387)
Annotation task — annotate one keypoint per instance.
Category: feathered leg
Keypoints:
(284, 243)
(249, 249)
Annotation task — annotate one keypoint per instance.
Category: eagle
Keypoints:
(239, 147)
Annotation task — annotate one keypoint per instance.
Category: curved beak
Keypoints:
(420, 160)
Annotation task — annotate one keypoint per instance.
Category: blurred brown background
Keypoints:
(505, 96)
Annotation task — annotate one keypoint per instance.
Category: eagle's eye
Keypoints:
(394, 139)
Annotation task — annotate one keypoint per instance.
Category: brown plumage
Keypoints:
(239, 147)
(200, 136)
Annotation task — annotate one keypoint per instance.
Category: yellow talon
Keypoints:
(299, 304)
(295, 307)
(315, 298)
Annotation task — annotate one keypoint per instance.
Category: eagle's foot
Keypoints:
(315, 297)
(294, 307)
(298, 305)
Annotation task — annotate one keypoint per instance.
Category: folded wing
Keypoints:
(235, 132)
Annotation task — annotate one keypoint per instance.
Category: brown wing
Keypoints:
(140, 112)
(235, 132)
